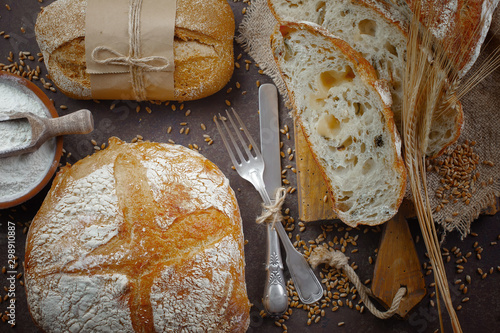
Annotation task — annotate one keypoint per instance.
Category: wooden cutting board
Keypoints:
(398, 265)
(314, 202)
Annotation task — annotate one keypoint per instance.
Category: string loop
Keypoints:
(337, 259)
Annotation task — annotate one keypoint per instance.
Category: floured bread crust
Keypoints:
(344, 113)
(138, 238)
(203, 47)
(461, 25)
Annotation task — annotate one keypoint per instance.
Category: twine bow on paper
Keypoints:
(133, 60)
(272, 212)
(145, 63)
(337, 259)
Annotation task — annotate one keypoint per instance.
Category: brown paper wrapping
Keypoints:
(107, 26)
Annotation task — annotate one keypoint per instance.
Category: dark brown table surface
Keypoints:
(480, 314)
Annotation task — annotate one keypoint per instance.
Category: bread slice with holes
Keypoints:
(344, 113)
(379, 33)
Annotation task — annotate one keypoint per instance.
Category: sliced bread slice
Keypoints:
(344, 113)
(379, 32)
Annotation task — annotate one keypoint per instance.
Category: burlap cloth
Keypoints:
(482, 119)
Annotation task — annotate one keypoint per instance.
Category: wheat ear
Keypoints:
(423, 85)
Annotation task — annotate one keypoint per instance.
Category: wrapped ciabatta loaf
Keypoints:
(202, 47)
(142, 237)
(344, 113)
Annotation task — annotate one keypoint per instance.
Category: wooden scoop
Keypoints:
(42, 129)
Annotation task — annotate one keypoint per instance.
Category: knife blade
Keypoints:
(270, 137)
(305, 281)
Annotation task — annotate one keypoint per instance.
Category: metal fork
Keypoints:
(251, 168)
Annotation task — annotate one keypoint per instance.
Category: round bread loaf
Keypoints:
(142, 237)
(203, 47)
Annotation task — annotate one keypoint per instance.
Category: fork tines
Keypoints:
(247, 143)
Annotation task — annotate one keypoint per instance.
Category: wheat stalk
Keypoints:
(423, 85)
(490, 64)
(433, 86)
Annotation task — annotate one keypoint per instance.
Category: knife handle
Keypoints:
(275, 295)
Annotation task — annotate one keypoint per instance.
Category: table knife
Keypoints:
(305, 281)
(275, 298)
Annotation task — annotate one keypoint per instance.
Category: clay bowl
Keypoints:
(50, 109)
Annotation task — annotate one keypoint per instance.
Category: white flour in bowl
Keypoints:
(20, 174)
(16, 134)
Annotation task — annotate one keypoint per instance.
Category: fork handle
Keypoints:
(305, 281)
(275, 295)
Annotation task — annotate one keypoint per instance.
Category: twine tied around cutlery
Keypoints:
(272, 212)
(133, 60)
(337, 259)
